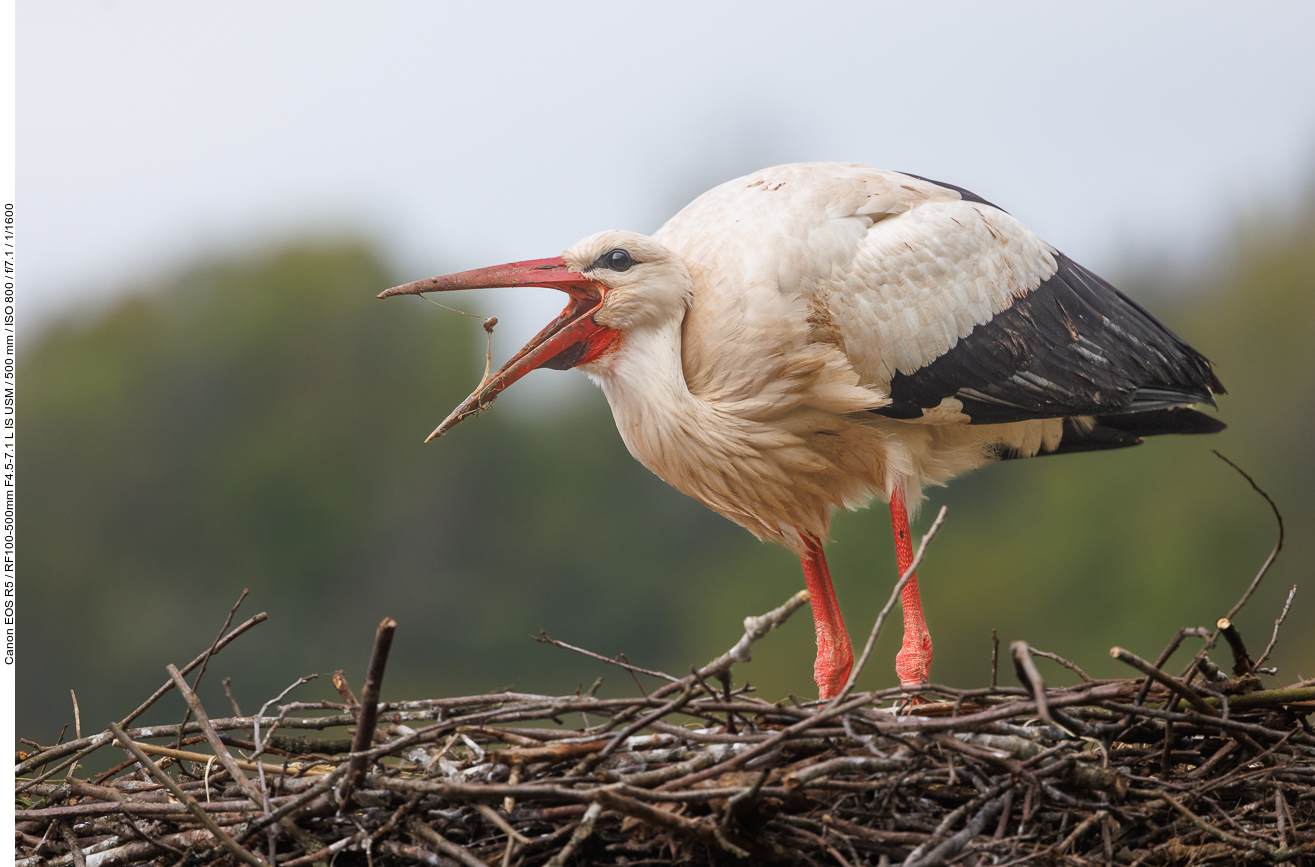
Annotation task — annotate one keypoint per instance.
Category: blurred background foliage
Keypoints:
(257, 423)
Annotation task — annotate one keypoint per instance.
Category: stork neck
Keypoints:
(645, 379)
(662, 424)
(740, 467)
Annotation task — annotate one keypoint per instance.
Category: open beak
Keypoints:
(562, 344)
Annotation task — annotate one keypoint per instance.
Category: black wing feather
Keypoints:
(1127, 429)
(1073, 346)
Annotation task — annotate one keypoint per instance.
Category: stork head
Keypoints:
(618, 282)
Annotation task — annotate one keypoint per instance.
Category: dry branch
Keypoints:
(369, 710)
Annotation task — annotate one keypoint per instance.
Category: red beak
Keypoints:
(551, 347)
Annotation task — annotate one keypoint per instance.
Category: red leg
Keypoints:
(913, 662)
(834, 655)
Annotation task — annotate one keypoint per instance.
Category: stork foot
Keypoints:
(835, 657)
(831, 670)
(913, 662)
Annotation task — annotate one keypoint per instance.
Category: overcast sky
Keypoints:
(466, 134)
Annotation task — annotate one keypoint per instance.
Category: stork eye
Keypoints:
(617, 260)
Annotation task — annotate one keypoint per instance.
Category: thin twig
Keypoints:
(441, 844)
(1182, 689)
(1283, 854)
(544, 638)
(1027, 674)
(754, 629)
(205, 661)
(77, 714)
(705, 832)
(1274, 638)
(344, 688)
(582, 832)
(228, 691)
(1062, 661)
(995, 656)
(1278, 546)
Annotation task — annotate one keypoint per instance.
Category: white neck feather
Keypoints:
(724, 461)
(645, 385)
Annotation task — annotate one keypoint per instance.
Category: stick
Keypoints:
(260, 766)
(1083, 826)
(186, 669)
(1062, 661)
(263, 743)
(1278, 546)
(369, 712)
(754, 629)
(1242, 663)
(77, 714)
(1264, 568)
(830, 711)
(1283, 854)
(951, 847)
(589, 763)
(1268, 647)
(581, 833)
(440, 843)
(202, 758)
(1170, 648)
(544, 638)
(134, 853)
(326, 855)
(746, 799)
(1193, 698)
(500, 823)
(344, 689)
(66, 831)
(995, 655)
(1181, 689)
(206, 661)
(228, 691)
(321, 788)
(1026, 671)
(212, 737)
(127, 807)
(258, 794)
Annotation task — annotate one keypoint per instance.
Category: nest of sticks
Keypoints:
(1205, 767)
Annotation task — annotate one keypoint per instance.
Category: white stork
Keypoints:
(812, 336)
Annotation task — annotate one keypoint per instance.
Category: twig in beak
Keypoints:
(489, 323)
(488, 352)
